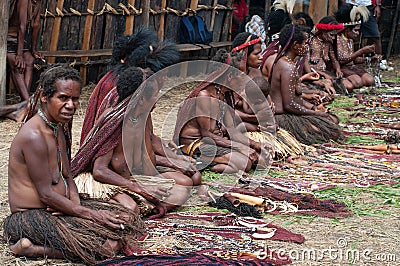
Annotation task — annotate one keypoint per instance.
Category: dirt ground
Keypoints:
(356, 240)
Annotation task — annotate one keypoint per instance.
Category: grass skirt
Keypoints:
(88, 187)
(309, 129)
(284, 144)
(76, 238)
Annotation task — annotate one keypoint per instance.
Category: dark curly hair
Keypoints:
(56, 72)
(128, 81)
(299, 34)
(242, 38)
(307, 19)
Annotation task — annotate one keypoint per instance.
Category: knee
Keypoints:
(183, 180)
(368, 80)
(29, 59)
(349, 85)
(196, 179)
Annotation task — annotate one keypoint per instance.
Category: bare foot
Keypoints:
(22, 247)
(19, 113)
(112, 245)
(203, 192)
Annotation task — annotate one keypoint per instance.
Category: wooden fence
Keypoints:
(83, 31)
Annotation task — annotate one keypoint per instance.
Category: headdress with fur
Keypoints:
(286, 5)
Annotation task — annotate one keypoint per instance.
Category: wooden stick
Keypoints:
(130, 20)
(162, 21)
(193, 4)
(215, 2)
(4, 10)
(55, 32)
(333, 5)
(226, 29)
(393, 31)
(146, 13)
(86, 39)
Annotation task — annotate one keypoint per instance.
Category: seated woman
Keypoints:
(48, 218)
(307, 122)
(206, 127)
(322, 54)
(253, 104)
(348, 58)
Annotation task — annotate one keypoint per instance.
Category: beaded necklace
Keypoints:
(222, 108)
(55, 127)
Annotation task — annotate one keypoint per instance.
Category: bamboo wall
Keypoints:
(85, 31)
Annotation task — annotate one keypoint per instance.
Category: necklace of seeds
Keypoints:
(55, 127)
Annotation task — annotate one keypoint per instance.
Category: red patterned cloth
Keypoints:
(103, 87)
(102, 138)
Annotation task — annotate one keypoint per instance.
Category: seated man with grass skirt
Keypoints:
(308, 123)
(48, 217)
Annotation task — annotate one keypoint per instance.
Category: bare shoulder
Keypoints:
(30, 135)
(204, 93)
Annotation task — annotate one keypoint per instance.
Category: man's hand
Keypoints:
(20, 63)
(108, 219)
(377, 13)
(186, 166)
(368, 49)
(153, 193)
(37, 55)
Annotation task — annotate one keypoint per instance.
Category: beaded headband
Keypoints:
(246, 44)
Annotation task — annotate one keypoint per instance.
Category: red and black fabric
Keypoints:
(307, 204)
(180, 259)
(102, 138)
(103, 87)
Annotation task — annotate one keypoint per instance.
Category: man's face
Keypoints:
(303, 47)
(329, 36)
(254, 58)
(353, 32)
(62, 105)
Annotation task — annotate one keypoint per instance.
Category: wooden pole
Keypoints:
(214, 12)
(162, 20)
(130, 20)
(226, 28)
(394, 27)
(86, 39)
(4, 11)
(55, 32)
(184, 68)
(333, 6)
(318, 9)
(146, 13)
